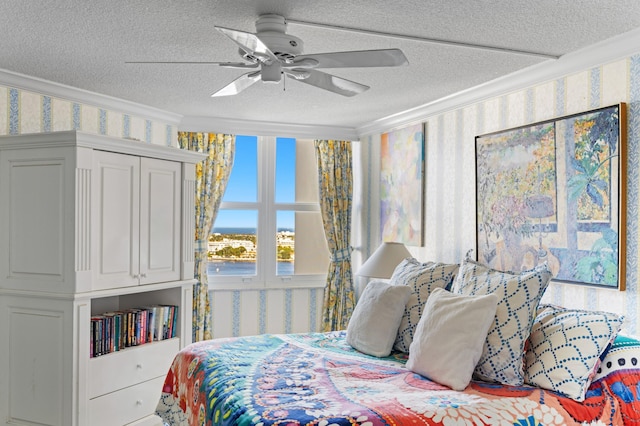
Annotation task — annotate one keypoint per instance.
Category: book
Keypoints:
(117, 330)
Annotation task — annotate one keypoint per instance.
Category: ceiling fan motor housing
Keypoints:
(271, 29)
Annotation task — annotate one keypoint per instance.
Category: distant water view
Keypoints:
(237, 267)
(248, 231)
(223, 231)
(226, 260)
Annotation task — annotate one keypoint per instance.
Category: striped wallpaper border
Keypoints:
(55, 114)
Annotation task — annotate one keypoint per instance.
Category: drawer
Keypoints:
(126, 405)
(118, 370)
(152, 420)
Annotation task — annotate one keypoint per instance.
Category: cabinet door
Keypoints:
(116, 220)
(160, 189)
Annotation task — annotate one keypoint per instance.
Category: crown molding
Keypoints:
(598, 54)
(77, 138)
(265, 128)
(73, 94)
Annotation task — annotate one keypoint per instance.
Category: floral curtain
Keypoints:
(212, 175)
(336, 186)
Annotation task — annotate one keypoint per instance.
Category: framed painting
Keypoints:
(402, 185)
(555, 192)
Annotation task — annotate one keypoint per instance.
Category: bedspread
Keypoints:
(318, 379)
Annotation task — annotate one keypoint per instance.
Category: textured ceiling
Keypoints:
(85, 44)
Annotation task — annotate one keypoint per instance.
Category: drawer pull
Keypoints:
(139, 402)
(139, 366)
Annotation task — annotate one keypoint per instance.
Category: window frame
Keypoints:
(266, 271)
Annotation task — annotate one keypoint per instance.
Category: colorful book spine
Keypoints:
(114, 331)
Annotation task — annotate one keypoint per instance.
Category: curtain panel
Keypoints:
(212, 176)
(335, 178)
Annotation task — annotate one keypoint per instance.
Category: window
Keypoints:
(268, 231)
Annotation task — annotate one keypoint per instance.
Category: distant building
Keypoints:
(286, 238)
(283, 238)
(250, 247)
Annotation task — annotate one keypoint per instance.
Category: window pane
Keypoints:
(232, 243)
(243, 182)
(306, 172)
(301, 244)
(285, 243)
(285, 170)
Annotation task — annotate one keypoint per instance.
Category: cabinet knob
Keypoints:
(139, 366)
(136, 276)
(139, 402)
(143, 275)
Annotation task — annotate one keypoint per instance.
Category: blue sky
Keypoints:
(244, 177)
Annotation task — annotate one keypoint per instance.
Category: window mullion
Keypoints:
(238, 205)
(305, 207)
(267, 213)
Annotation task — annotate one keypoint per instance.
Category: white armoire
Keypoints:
(89, 224)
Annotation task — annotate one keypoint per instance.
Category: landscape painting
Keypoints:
(554, 192)
(402, 185)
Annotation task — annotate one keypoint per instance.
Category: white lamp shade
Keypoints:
(384, 260)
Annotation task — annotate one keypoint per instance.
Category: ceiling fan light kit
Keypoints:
(271, 72)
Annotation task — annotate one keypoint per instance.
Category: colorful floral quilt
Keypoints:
(318, 379)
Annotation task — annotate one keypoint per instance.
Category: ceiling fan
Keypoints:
(271, 53)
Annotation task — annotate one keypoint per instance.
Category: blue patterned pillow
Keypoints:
(565, 348)
(423, 278)
(623, 355)
(619, 376)
(518, 298)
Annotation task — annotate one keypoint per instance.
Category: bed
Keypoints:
(439, 344)
(319, 379)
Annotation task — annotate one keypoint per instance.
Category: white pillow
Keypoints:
(565, 348)
(450, 335)
(423, 278)
(374, 323)
(518, 298)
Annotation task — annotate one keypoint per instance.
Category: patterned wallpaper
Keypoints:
(450, 181)
(250, 312)
(22, 111)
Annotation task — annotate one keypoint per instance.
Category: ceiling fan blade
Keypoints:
(332, 83)
(238, 65)
(250, 43)
(297, 73)
(239, 84)
(356, 59)
(241, 65)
